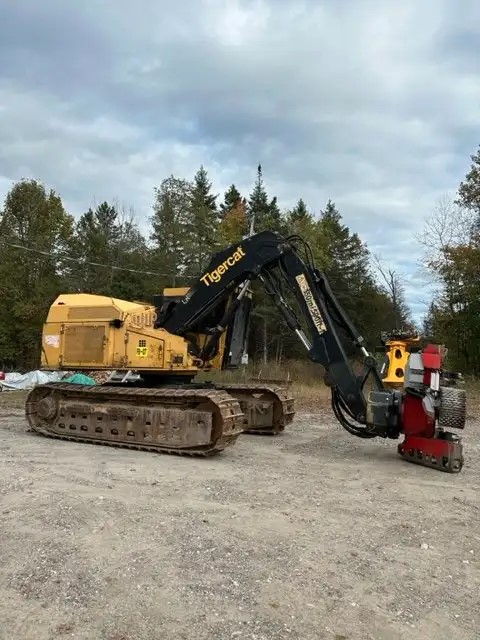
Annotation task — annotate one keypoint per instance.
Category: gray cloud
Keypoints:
(374, 105)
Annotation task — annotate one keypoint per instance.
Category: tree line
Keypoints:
(451, 238)
(46, 251)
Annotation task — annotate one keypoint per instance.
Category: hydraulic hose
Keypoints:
(338, 407)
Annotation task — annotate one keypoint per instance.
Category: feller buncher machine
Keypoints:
(184, 332)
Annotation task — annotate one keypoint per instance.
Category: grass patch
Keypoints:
(295, 371)
(311, 398)
(304, 379)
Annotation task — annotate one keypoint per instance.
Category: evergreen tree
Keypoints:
(347, 256)
(130, 282)
(30, 280)
(299, 221)
(231, 200)
(171, 211)
(202, 186)
(202, 223)
(258, 207)
(105, 252)
(111, 252)
(264, 213)
(348, 269)
(469, 190)
(96, 234)
(274, 219)
(299, 213)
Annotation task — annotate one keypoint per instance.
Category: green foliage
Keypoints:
(230, 200)
(264, 212)
(171, 209)
(469, 189)
(201, 225)
(233, 226)
(346, 264)
(107, 243)
(298, 214)
(105, 252)
(454, 318)
(29, 281)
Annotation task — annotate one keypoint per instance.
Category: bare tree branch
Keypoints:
(448, 225)
(394, 287)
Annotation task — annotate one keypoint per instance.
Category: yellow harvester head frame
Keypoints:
(397, 351)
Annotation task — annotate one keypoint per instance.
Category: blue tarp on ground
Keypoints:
(79, 378)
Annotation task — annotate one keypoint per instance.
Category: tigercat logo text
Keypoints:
(216, 274)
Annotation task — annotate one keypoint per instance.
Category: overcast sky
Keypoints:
(372, 104)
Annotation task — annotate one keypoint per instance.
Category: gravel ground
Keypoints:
(313, 534)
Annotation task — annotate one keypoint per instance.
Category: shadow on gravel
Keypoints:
(334, 449)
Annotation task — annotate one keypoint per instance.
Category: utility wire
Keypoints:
(94, 264)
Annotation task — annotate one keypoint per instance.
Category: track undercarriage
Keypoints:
(267, 408)
(185, 420)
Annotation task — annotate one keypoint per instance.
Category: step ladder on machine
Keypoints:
(122, 377)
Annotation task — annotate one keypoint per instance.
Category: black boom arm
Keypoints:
(277, 263)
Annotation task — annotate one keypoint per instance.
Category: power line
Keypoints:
(94, 264)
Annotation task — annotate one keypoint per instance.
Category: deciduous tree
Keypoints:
(35, 231)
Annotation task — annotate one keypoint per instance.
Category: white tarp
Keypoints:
(16, 381)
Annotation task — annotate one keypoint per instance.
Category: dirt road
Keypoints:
(310, 535)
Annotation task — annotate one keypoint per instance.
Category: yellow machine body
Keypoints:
(88, 332)
(161, 411)
(175, 293)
